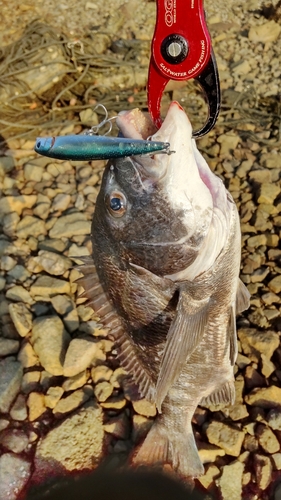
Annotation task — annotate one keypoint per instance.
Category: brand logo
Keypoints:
(170, 12)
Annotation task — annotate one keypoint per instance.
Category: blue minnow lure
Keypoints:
(96, 147)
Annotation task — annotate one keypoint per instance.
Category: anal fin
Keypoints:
(224, 394)
(242, 297)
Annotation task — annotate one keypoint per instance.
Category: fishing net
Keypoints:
(46, 80)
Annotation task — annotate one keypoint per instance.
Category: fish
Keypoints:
(164, 280)
(87, 147)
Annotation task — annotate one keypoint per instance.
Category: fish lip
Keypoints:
(179, 242)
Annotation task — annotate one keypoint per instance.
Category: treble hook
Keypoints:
(94, 130)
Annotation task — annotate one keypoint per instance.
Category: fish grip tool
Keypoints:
(181, 49)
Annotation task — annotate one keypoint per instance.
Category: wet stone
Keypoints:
(10, 382)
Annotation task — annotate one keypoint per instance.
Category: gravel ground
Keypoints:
(65, 403)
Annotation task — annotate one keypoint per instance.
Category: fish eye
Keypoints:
(38, 144)
(116, 204)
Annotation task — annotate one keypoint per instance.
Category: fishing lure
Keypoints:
(94, 147)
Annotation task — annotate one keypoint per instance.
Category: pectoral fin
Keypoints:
(185, 333)
(242, 297)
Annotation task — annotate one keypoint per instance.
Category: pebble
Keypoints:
(226, 437)
(73, 401)
(274, 419)
(68, 449)
(268, 193)
(61, 202)
(118, 427)
(256, 241)
(53, 396)
(267, 439)
(275, 284)
(14, 474)
(10, 204)
(52, 262)
(254, 342)
(141, 426)
(50, 341)
(8, 346)
(72, 383)
(19, 294)
(79, 355)
(211, 473)
(230, 482)
(265, 397)
(27, 355)
(36, 405)
(276, 457)
(47, 286)
(209, 452)
(263, 470)
(114, 403)
(19, 410)
(14, 440)
(21, 317)
(74, 224)
(4, 423)
(102, 373)
(10, 382)
(30, 381)
(103, 391)
(30, 226)
(266, 32)
(144, 407)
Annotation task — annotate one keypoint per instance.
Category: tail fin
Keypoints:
(170, 446)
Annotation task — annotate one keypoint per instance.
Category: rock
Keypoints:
(254, 342)
(228, 142)
(19, 409)
(118, 378)
(47, 286)
(36, 405)
(75, 382)
(53, 396)
(52, 262)
(19, 294)
(79, 355)
(276, 457)
(58, 245)
(19, 273)
(10, 204)
(61, 202)
(114, 403)
(211, 473)
(266, 32)
(263, 470)
(230, 482)
(144, 407)
(14, 440)
(14, 474)
(103, 391)
(250, 443)
(102, 373)
(10, 382)
(33, 172)
(61, 449)
(118, 427)
(4, 423)
(275, 284)
(267, 439)
(8, 346)
(265, 397)
(141, 426)
(268, 193)
(27, 355)
(30, 381)
(21, 317)
(73, 401)
(253, 378)
(30, 226)
(50, 341)
(274, 419)
(208, 452)
(256, 241)
(2, 283)
(74, 224)
(267, 366)
(226, 437)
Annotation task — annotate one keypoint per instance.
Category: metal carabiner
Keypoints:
(181, 50)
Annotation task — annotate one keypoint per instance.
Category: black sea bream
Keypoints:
(165, 281)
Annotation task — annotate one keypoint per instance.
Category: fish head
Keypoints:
(156, 211)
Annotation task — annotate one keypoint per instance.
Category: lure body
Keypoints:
(92, 147)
